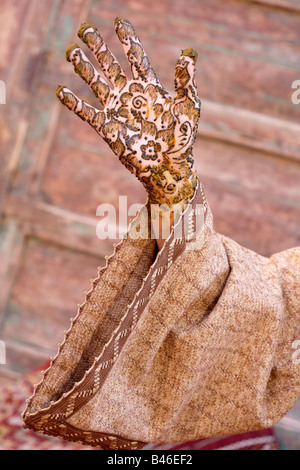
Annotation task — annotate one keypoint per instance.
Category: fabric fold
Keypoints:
(190, 342)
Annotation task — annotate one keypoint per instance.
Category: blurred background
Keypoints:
(55, 169)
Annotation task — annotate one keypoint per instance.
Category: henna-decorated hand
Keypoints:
(151, 132)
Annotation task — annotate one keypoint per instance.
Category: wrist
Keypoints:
(164, 216)
(171, 190)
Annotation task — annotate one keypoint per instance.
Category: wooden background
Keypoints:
(55, 170)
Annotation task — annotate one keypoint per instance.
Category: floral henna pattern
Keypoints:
(150, 151)
(150, 131)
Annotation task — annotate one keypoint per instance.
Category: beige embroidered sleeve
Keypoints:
(194, 341)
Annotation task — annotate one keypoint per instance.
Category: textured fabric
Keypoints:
(192, 342)
(14, 437)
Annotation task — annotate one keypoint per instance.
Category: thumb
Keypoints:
(185, 76)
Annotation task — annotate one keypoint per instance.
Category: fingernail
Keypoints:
(121, 21)
(58, 90)
(190, 52)
(69, 51)
(117, 21)
(82, 29)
